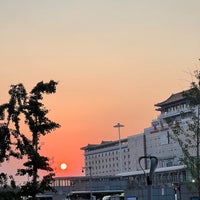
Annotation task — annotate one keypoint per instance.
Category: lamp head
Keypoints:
(154, 163)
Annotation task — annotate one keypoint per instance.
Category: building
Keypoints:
(104, 175)
(160, 143)
(103, 159)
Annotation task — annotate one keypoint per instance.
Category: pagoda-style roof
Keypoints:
(103, 144)
(172, 99)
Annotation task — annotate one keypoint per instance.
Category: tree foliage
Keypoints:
(187, 133)
(27, 108)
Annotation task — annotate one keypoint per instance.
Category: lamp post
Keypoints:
(149, 177)
(177, 188)
(90, 179)
(118, 125)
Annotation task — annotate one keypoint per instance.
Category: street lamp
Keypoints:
(90, 179)
(149, 177)
(118, 125)
(177, 188)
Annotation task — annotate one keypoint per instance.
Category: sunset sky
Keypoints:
(113, 59)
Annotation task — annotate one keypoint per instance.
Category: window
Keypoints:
(169, 164)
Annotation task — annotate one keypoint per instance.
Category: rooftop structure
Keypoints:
(103, 144)
(176, 107)
(173, 99)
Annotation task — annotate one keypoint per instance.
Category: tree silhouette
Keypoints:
(28, 109)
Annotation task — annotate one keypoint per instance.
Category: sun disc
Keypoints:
(63, 166)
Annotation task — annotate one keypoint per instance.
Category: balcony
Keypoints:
(174, 113)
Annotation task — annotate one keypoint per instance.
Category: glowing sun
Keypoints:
(63, 166)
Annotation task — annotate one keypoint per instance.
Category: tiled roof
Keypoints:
(92, 146)
(103, 144)
(173, 98)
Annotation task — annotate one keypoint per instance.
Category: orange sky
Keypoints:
(113, 59)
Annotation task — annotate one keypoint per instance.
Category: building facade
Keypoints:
(104, 159)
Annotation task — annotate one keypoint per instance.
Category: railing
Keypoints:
(68, 184)
(174, 113)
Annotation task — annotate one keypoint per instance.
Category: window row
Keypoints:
(106, 159)
(106, 165)
(107, 154)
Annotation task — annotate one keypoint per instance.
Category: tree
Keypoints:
(28, 109)
(187, 133)
(8, 136)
